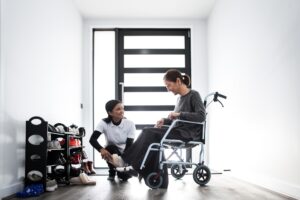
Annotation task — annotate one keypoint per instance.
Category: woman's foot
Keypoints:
(117, 161)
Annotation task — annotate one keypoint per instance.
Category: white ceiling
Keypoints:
(144, 9)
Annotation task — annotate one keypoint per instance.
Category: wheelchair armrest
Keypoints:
(173, 141)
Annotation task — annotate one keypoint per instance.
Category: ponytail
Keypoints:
(173, 74)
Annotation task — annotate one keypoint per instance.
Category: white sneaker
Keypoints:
(129, 170)
(51, 185)
(124, 169)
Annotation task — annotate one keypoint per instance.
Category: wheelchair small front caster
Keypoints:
(178, 171)
(201, 175)
(154, 180)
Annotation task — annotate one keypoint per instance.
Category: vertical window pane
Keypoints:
(154, 60)
(104, 61)
(154, 42)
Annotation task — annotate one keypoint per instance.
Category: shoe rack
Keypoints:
(36, 151)
(44, 154)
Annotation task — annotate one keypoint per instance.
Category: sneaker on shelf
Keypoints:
(51, 185)
(72, 142)
(60, 160)
(54, 144)
(35, 175)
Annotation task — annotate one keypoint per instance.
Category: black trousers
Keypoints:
(134, 155)
(112, 149)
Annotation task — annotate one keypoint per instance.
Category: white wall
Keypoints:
(198, 46)
(41, 59)
(254, 58)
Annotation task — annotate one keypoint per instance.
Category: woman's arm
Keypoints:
(129, 142)
(94, 140)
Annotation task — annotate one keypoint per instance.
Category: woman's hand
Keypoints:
(159, 123)
(105, 154)
(173, 115)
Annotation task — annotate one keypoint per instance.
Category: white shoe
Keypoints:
(124, 169)
(129, 170)
(117, 161)
(86, 180)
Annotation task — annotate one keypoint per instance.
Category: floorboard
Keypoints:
(221, 186)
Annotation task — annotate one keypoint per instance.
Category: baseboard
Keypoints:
(270, 183)
(10, 190)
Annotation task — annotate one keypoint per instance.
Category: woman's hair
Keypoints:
(109, 106)
(173, 74)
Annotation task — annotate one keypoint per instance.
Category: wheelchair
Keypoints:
(202, 173)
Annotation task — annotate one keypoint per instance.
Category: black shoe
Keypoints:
(123, 176)
(111, 177)
(140, 177)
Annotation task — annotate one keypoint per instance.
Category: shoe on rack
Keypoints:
(60, 160)
(75, 158)
(74, 142)
(51, 185)
(84, 155)
(54, 144)
(35, 175)
(59, 170)
(85, 168)
(90, 166)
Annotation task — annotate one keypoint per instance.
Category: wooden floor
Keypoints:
(220, 187)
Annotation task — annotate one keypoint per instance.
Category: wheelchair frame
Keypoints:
(201, 173)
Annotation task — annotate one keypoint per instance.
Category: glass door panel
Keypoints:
(104, 85)
(144, 79)
(149, 98)
(146, 117)
(154, 61)
(154, 42)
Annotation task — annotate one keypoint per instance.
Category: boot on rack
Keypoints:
(85, 168)
(90, 166)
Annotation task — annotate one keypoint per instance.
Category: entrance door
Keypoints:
(141, 57)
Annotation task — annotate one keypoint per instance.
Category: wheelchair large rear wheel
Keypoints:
(154, 180)
(201, 175)
(178, 171)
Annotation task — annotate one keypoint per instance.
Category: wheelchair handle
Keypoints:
(216, 95)
(220, 95)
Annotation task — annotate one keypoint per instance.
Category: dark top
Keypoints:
(191, 108)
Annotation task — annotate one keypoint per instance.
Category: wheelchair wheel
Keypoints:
(178, 171)
(201, 175)
(154, 180)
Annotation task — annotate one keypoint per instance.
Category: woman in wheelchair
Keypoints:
(189, 107)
